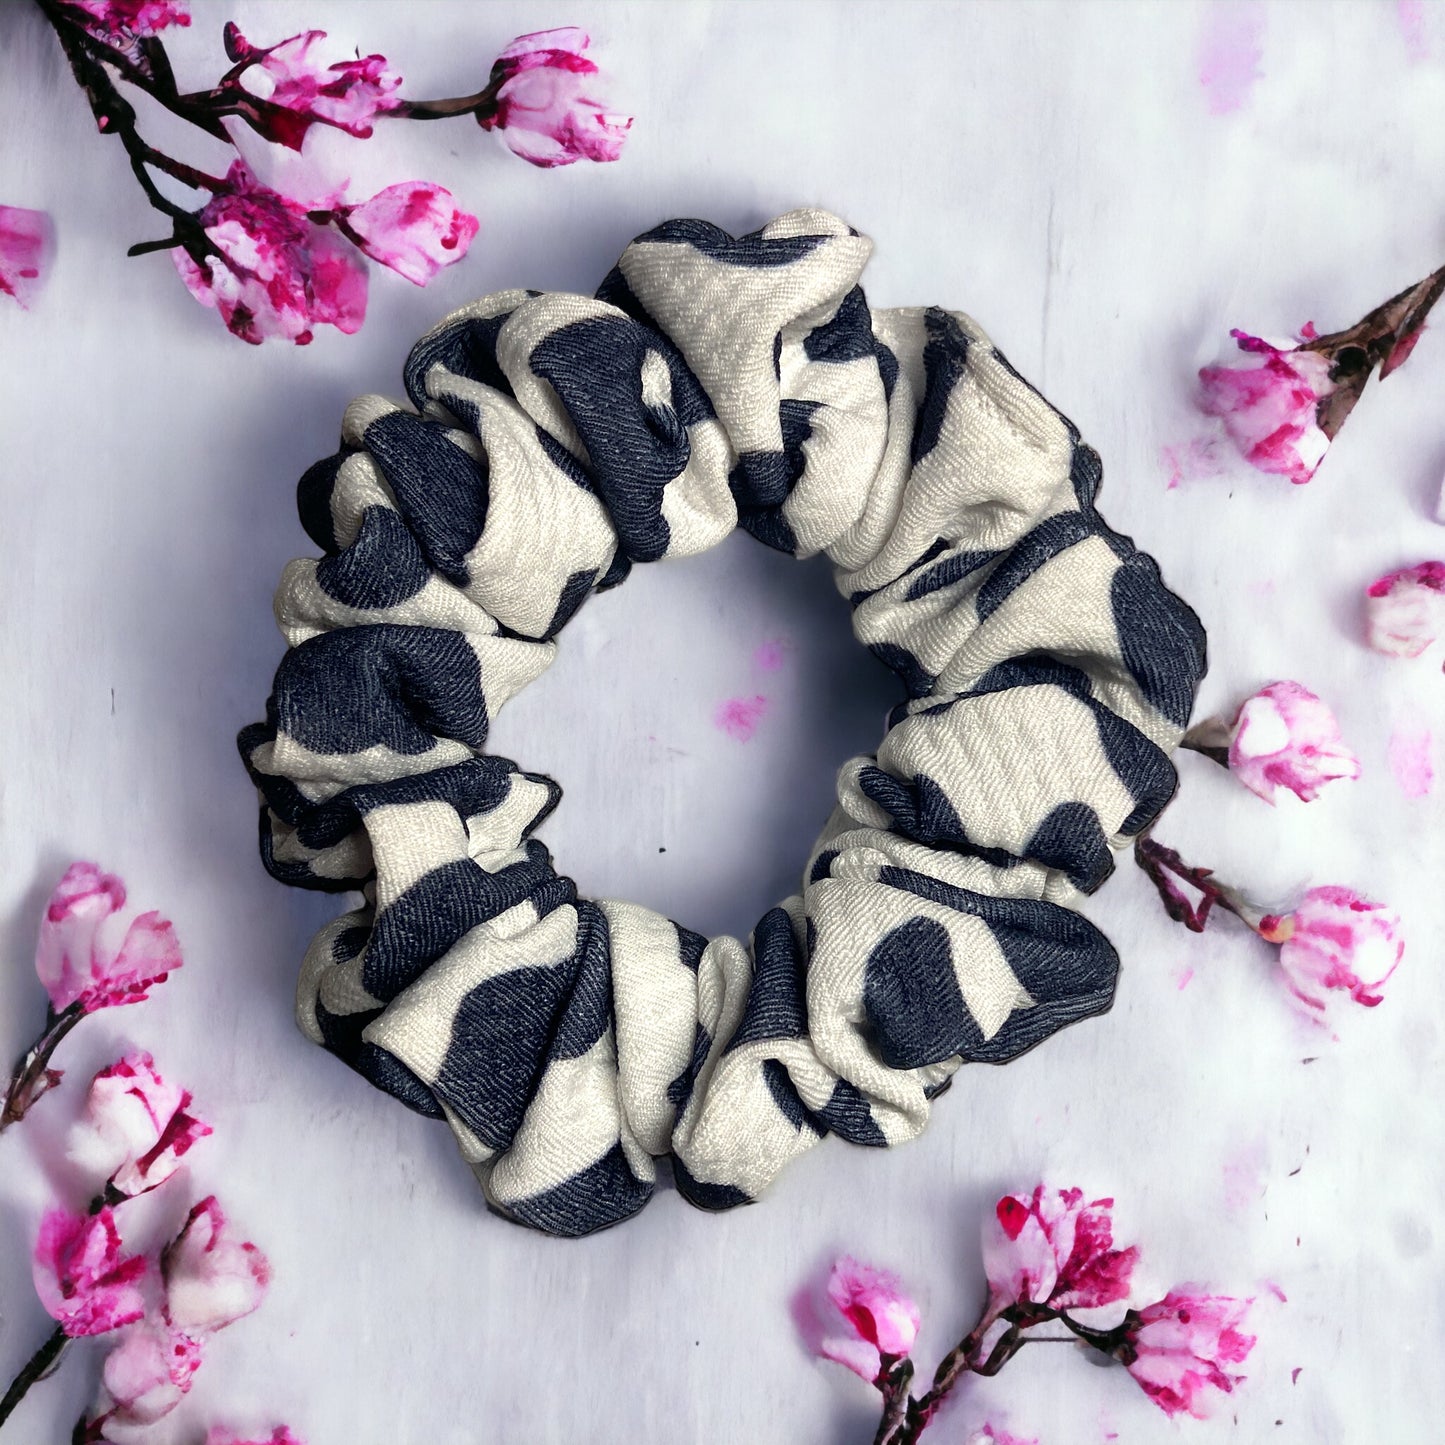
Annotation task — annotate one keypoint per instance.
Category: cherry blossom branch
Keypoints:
(1047, 1256)
(33, 1076)
(35, 1369)
(1163, 865)
(274, 264)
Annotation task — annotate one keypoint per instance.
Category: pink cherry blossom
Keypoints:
(414, 228)
(1181, 1346)
(84, 1281)
(27, 243)
(149, 1373)
(87, 954)
(1269, 403)
(120, 21)
(219, 1435)
(543, 108)
(348, 95)
(992, 1435)
(1052, 1249)
(875, 1318)
(1405, 610)
(212, 1279)
(1284, 736)
(1336, 942)
(276, 273)
(136, 1126)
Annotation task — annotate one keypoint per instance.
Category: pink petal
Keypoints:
(149, 1373)
(211, 1279)
(84, 1281)
(414, 228)
(1285, 736)
(27, 247)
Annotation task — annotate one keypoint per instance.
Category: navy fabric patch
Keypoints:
(436, 910)
(466, 348)
(1161, 638)
(847, 1114)
(595, 367)
(847, 337)
(705, 1195)
(1071, 841)
(916, 678)
(603, 1194)
(382, 567)
(789, 1101)
(380, 684)
(915, 1012)
(945, 360)
(441, 490)
(313, 500)
(574, 594)
(777, 1006)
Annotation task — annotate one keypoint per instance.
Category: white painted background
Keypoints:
(1053, 169)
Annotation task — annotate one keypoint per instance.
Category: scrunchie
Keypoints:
(556, 440)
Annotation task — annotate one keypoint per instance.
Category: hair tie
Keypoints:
(713, 382)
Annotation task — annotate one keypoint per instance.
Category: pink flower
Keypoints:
(1052, 1249)
(414, 228)
(992, 1435)
(877, 1323)
(1404, 610)
(542, 108)
(120, 21)
(219, 1435)
(149, 1373)
(87, 955)
(27, 243)
(86, 1285)
(1335, 941)
(277, 272)
(1181, 1345)
(348, 95)
(136, 1126)
(1284, 736)
(1269, 405)
(212, 1280)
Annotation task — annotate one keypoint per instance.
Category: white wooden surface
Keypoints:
(1057, 172)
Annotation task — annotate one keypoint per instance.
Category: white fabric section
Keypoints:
(572, 1121)
(656, 1004)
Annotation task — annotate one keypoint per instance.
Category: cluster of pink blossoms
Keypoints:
(132, 1137)
(1333, 943)
(276, 264)
(1283, 403)
(1050, 1259)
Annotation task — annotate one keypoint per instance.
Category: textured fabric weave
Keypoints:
(553, 441)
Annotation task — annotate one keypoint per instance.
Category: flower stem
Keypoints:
(36, 1368)
(32, 1077)
(1163, 865)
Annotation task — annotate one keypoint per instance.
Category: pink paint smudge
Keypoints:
(770, 656)
(1191, 461)
(1184, 978)
(1276, 1291)
(1411, 16)
(1242, 1175)
(1230, 53)
(1412, 761)
(739, 717)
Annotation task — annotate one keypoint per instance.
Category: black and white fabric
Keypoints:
(553, 441)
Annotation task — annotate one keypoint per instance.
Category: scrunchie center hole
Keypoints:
(696, 717)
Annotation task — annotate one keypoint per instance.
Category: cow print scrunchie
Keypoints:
(556, 440)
